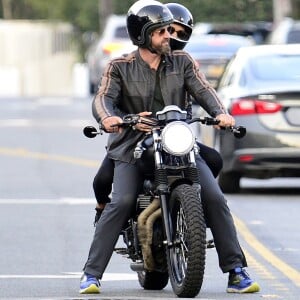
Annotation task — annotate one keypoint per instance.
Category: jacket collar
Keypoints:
(164, 60)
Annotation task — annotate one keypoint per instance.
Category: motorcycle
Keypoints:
(165, 237)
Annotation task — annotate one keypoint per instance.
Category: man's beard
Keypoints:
(162, 49)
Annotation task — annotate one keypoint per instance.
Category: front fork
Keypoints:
(166, 219)
(164, 196)
(163, 187)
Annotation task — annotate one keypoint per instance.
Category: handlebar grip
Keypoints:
(238, 131)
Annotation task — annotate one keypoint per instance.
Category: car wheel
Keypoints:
(229, 182)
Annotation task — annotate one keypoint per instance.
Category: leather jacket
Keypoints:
(128, 86)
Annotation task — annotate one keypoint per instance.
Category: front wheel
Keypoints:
(186, 256)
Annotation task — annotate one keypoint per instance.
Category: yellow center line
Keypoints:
(269, 256)
(22, 152)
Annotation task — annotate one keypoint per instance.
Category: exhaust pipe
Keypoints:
(137, 266)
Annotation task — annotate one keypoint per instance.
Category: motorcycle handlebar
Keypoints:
(132, 119)
(238, 131)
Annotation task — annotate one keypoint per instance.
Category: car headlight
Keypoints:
(177, 138)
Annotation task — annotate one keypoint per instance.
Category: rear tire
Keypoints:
(153, 280)
(229, 182)
(186, 259)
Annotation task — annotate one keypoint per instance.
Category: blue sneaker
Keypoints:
(89, 284)
(240, 282)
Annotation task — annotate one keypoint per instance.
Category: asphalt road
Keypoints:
(47, 210)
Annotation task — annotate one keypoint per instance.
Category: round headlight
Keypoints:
(177, 138)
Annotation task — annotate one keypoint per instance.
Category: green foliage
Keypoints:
(121, 7)
(83, 14)
(229, 11)
(296, 9)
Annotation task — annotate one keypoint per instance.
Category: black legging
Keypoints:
(103, 180)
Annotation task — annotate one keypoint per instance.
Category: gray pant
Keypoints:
(127, 182)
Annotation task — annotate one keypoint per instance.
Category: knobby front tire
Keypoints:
(186, 259)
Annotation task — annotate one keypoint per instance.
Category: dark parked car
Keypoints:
(258, 31)
(213, 51)
(261, 89)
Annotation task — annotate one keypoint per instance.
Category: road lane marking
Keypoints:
(258, 267)
(22, 152)
(77, 123)
(71, 275)
(15, 123)
(268, 255)
(57, 201)
(54, 101)
(280, 290)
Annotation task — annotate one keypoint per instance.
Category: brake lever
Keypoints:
(132, 120)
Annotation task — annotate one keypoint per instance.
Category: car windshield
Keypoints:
(276, 67)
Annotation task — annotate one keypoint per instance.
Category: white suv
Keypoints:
(113, 42)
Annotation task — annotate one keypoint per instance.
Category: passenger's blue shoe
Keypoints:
(240, 282)
(89, 284)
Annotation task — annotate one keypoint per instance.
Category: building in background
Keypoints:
(36, 58)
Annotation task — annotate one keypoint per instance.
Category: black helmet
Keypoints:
(183, 17)
(143, 17)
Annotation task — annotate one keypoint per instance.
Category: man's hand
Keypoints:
(110, 121)
(141, 126)
(226, 120)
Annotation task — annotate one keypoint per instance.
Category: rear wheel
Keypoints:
(153, 280)
(229, 182)
(186, 257)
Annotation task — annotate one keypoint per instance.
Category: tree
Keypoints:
(82, 14)
(89, 15)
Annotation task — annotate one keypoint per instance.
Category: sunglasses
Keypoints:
(180, 34)
(162, 31)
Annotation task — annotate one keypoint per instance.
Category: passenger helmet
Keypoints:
(143, 17)
(183, 17)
